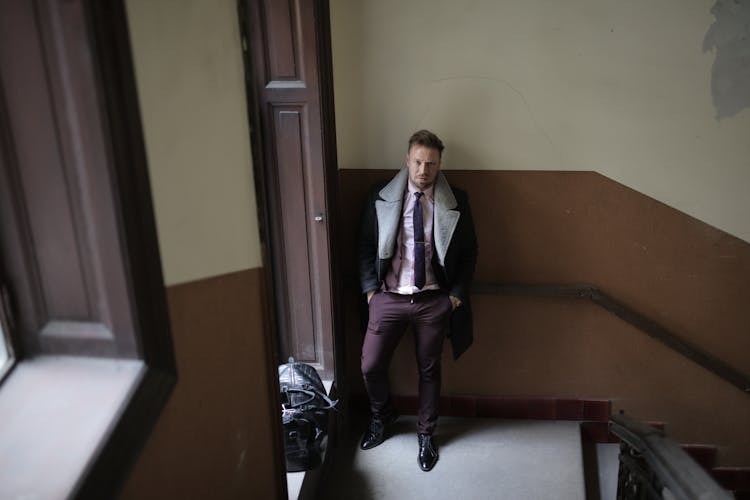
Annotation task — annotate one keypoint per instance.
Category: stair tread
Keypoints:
(733, 478)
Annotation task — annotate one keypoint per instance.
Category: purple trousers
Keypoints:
(390, 314)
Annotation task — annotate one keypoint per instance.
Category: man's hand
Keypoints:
(455, 301)
(369, 295)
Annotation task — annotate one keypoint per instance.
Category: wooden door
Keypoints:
(288, 54)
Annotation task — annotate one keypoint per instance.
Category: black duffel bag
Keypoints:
(304, 415)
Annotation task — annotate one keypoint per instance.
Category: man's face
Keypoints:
(424, 165)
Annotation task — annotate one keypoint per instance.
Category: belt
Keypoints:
(426, 294)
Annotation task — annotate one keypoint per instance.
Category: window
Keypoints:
(78, 254)
(5, 352)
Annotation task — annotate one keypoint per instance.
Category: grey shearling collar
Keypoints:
(389, 209)
(444, 194)
(394, 190)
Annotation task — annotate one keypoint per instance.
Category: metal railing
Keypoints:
(653, 466)
(647, 325)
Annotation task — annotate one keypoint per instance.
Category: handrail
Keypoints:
(647, 325)
(649, 462)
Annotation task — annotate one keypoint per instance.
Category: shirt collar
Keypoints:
(428, 193)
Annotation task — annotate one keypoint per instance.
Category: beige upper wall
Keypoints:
(621, 88)
(188, 64)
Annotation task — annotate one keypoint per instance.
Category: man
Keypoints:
(417, 253)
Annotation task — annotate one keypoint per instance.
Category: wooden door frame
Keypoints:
(267, 219)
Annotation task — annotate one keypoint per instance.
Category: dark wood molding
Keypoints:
(8, 213)
(264, 223)
(18, 274)
(333, 193)
(123, 125)
(622, 311)
(125, 135)
(5, 332)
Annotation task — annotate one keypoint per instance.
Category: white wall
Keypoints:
(189, 73)
(621, 88)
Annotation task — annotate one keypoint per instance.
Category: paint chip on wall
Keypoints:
(729, 35)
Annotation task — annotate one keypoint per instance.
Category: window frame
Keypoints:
(5, 330)
(110, 110)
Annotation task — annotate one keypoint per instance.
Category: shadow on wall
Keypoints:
(730, 73)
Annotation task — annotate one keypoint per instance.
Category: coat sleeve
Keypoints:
(367, 248)
(467, 251)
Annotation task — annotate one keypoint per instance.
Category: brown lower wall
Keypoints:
(573, 227)
(214, 438)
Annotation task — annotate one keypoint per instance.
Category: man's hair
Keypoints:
(427, 139)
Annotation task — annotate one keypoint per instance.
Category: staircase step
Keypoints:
(733, 478)
(703, 454)
(598, 432)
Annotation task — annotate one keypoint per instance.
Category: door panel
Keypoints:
(284, 53)
(294, 231)
(59, 219)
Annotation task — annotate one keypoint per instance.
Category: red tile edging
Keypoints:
(508, 407)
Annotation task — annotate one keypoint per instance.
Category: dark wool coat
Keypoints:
(455, 247)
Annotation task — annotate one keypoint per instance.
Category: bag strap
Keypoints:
(331, 404)
(312, 392)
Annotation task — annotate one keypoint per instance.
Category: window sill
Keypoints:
(57, 412)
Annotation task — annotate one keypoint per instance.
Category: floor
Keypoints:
(479, 459)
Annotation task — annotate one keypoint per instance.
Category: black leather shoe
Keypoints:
(375, 433)
(428, 455)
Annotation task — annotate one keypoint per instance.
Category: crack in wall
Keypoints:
(504, 83)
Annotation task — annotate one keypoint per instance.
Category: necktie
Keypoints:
(419, 273)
